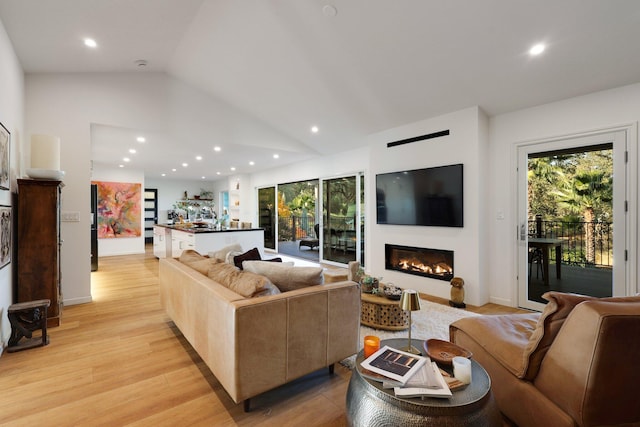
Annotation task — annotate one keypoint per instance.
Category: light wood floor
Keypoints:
(120, 361)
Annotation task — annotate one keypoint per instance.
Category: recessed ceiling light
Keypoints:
(121, 166)
(329, 10)
(204, 177)
(173, 170)
(252, 163)
(141, 139)
(314, 129)
(276, 156)
(164, 174)
(198, 157)
(233, 168)
(126, 159)
(537, 49)
(132, 150)
(217, 173)
(184, 165)
(90, 43)
(217, 148)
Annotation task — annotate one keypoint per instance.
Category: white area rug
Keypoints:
(431, 321)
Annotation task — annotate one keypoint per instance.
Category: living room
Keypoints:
(70, 104)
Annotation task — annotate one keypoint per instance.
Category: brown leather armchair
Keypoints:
(575, 364)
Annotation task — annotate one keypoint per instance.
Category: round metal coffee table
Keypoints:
(368, 404)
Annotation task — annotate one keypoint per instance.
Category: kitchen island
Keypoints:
(170, 240)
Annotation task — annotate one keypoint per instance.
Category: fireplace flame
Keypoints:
(437, 269)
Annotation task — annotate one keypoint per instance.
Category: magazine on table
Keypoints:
(427, 382)
(394, 364)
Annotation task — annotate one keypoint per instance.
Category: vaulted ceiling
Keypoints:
(350, 67)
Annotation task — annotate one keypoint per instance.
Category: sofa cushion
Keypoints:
(250, 255)
(551, 320)
(243, 283)
(221, 254)
(286, 277)
(189, 255)
(202, 266)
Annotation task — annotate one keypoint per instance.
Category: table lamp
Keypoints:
(410, 301)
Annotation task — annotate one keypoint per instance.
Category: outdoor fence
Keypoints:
(586, 244)
(296, 227)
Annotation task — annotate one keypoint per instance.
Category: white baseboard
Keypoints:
(501, 301)
(76, 301)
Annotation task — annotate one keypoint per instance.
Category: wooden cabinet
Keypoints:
(38, 244)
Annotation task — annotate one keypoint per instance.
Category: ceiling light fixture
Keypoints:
(184, 165)
(121, 166)
(537, 49)
(132, 150)
(276, 156)
(233, 168)
(217, 148)
(126, 159)
(329, 10)
(90, 43)
(314, 129)
(141, 63)
(217, 173)
(204, 177)
(173, 170)
(164, 174)
(141, 139)
(252, 163)
(198, 157)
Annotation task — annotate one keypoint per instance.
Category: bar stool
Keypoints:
(26, 317)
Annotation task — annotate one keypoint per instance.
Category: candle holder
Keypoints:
(410, 301)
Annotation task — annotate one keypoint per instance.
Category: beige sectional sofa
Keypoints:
(253, 345)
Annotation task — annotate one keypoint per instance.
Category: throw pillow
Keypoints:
(203, 265)
(549, 324)
(189, 255)
(221, 254)
(286, 277)
(250, 255)
(241, 282)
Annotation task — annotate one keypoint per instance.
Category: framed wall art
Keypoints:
(5, 235)
(5, 164)
(119, 209)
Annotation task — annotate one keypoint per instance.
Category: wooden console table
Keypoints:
(382, 313)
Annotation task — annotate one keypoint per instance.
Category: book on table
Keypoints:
(427, 382)
(396, 365)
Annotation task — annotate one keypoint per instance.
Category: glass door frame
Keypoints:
(624, 199)
(359, 176)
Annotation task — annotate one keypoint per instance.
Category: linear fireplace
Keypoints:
(433, 263)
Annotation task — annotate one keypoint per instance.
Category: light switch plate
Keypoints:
(70, 217)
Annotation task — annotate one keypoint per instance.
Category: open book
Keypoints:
(422, 383)
(394, 364)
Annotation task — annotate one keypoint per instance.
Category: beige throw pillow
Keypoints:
(221, 254)
(244, 283)
(286, 277)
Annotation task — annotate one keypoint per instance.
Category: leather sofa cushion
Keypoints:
(285, 277)
(244, 283)
(189, 255)
(551, 320)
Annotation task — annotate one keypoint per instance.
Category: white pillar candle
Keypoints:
(45, 152)
(462, 369)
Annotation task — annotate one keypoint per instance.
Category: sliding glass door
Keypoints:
(342, 206)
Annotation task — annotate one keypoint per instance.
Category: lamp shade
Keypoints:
(409, 300)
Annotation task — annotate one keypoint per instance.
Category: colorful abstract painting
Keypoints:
(119, 209)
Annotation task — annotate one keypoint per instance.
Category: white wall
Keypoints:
(170, 191)
(66, 105)
(11, 116)
(466, 144)
(601, 110)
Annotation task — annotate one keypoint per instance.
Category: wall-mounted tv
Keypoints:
(431, 196)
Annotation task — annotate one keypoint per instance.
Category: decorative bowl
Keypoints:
(45, 174)
(392, 292)
(444, 351)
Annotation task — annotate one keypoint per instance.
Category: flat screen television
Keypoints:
(430, 197)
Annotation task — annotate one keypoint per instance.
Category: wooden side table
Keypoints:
(382, 313)
(25, 318)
